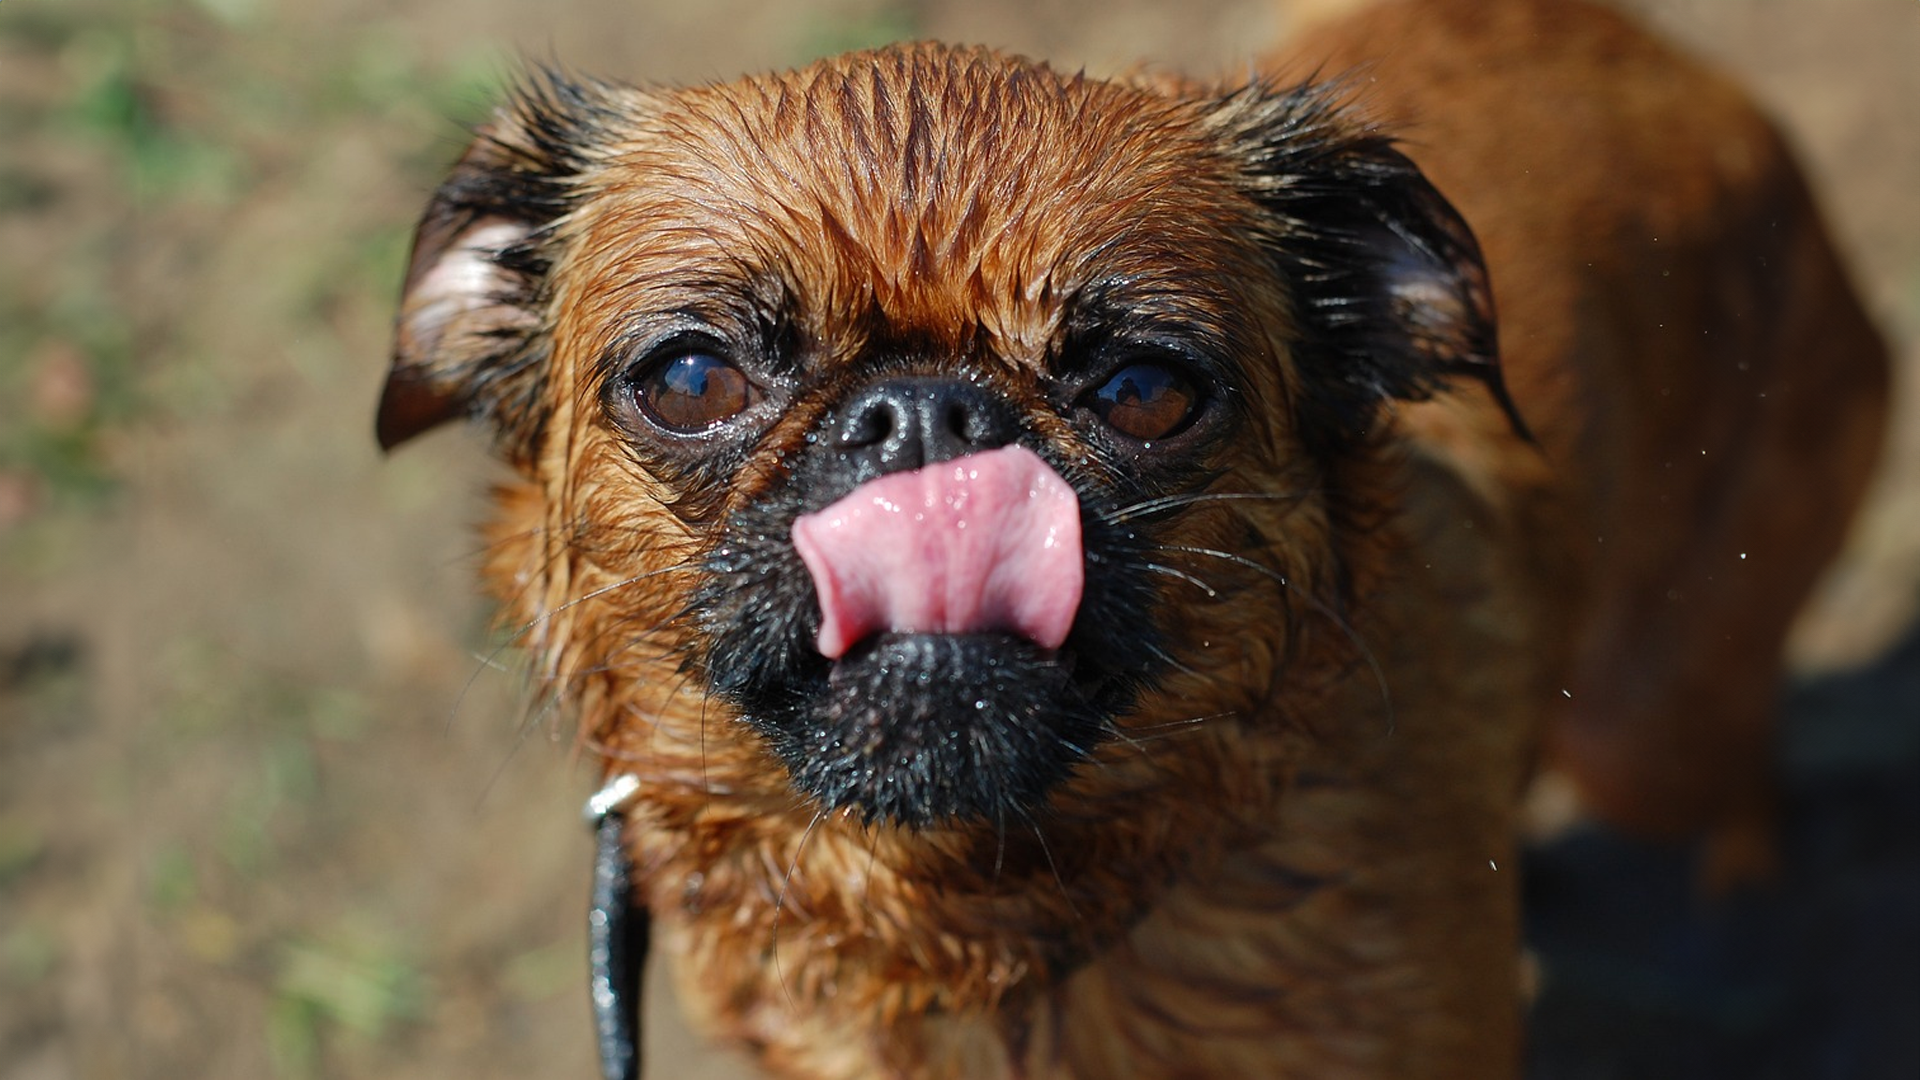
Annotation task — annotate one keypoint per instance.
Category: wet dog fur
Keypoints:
(1256, 817)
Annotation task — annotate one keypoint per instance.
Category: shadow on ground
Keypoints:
(1815, 976)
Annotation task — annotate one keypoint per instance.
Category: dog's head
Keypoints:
(926, 443)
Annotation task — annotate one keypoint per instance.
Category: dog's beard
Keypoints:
(920, 729)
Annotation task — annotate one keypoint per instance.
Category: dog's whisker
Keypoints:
(1150, 509)
(1161, 655)
(1319, 606)
(541, 568)
(523, 732)
(780, 901)
(1046, 852)
(490, 661)
(625, 658)
(621, 657)
(999, 846)
(1138, 739)
(609, 588)
(1174, 727)
(1119, 734)
(1141, 739)
(700, 724)
(682, 684)
(1182, 575)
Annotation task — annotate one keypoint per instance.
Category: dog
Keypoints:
(1065, 572)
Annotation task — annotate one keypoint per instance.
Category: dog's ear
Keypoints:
(471, 339)
(1390, 291)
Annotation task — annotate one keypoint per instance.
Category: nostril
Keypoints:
(873, 422)
(960, 422)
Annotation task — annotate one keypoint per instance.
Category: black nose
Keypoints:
(905, 423)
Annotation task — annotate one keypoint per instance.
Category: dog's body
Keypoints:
(1252, 814)
(1681, 337)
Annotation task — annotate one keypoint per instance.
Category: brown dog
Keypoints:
(1199, 754)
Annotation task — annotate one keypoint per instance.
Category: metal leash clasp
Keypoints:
(618, 933)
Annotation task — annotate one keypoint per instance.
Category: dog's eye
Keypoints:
(1144, 401)
(691, 391)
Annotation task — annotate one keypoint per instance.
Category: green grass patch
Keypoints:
(326, 989)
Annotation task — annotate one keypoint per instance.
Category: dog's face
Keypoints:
(762, 353)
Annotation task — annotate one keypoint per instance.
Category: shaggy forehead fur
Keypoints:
(951, 196)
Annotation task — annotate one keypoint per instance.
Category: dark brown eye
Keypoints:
(691, 392)
(1145, 401)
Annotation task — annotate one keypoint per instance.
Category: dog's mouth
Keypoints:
(919, 729)
(928, 649)
(984, 543)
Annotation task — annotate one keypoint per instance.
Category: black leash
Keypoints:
(617, 934)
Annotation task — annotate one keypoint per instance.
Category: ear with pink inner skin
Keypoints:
(470, 340)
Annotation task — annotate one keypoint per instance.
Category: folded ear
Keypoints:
(471, 338)
(1391, 293)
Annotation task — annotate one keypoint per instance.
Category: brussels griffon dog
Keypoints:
(1063, 575)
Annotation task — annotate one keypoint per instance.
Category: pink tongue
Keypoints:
(990, 541)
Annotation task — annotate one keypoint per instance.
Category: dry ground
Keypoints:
(267, 808)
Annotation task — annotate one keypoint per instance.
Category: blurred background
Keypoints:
(270, 805)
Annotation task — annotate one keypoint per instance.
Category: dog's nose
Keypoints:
(906, 423)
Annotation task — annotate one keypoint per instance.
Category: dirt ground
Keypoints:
(271, 804)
